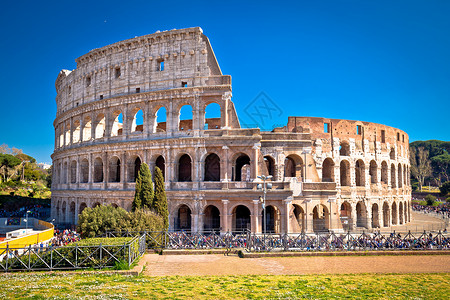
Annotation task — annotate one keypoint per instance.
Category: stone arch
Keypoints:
(273, 219)
(212, 167)
(96, 204)
(114, 169)
(160, 124)
(160, 162)
(87, 129)
(242, 170)
(405, 178)
(84, 171)
(72, 212)
(137, 124)
(73, 171)
(373, 172)
(386, 214)
(98, 170)
(399, 173)
(185, 168)
(393, 183)
(117, 125)
(345, 215)
(185, 118)
(77, 131)
(63, 212)
(328, 170)
(241, 218)
(212, 116)
(394, 214)
(67, 132)
(269, 162)
(344, 148)
(384, 172)
(211, 218)
(293, 166)
(320, 218)
(345, 172)
(82, 207)
(100, 126)
(392, 153)
(114, 205)
(360, 173)
(134, 164)
(361, 214)
(65, 172)
(183, 218)
(299, 218)
(375, 219)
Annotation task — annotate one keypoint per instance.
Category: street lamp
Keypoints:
(26, 220)
(264, 187)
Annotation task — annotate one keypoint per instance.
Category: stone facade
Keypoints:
(327, 174)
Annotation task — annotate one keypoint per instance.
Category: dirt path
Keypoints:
(164, 265)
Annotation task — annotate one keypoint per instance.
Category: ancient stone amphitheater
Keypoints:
(121, 107)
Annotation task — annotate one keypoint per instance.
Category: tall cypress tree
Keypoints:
(160, 201)
(143, 196)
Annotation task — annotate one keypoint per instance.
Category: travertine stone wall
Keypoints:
(327, 174)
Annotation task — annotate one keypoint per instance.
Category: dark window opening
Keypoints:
(117, 73)
(101, 97)
(398, 136)
(88, 81)
(403, 138)
(70, 90)
(326, 127)
(358, 129)
(161, 65)
(184, 84)
(383, 136)
(138, 90)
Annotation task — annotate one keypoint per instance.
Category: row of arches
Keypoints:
(87, 128)
(344, 150)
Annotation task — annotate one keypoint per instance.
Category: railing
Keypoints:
(327, 241)
(71, 257)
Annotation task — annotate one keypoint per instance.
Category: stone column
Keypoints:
(224, 216)
(105, 170)
(123, 169)
(225, 166)
(354, 217)
(332, 201)
(254, 161)
(254, 217)
(287, 208)
(308, 216)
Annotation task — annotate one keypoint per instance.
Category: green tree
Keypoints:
(430, 199)
(143, 196)
(420, 164)
(160, 200)
(445, 188)
(8, 161)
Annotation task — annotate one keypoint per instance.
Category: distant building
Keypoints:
(44, 166)
(327, 174)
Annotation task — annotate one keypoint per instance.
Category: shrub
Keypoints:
(445, 188)
(430, 199)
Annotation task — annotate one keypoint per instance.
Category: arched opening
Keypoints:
(298, 224)
(211, 219)
(67, 133)
(384, 173)
(160, 120)
(242, 168)
(400, 180)
(84, 171)
(114, 169)
(344, 149)
(394, 214)
(183, 218)
(393, 185)
(72, 212)
(73, 171)
(373, 172)
(345, 215)
(405, 178)
(375, 219)
(345, 173)
(320, 218)
(98, 170)
(82, 207)
(361, 215)
(184, 168)
(100, 126)
(212, 167)
(297, 129)
(60, 141)
(328, 170)
(76, 131)
(293, 167)
(114, 205)
(270, 165)
(241, 218)
(185, 118)
(87, 129)
(386, 214)
(360, 173)
(161, 164)
(65, 172)
(212, 116)
(133, 168)
(63, 212)
(117, 126)
(96, 204)
(406, 212)
(392, 154)
(138, 122)
(272, 219)
(400, 213)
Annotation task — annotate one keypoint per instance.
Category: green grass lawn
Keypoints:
(92, 286)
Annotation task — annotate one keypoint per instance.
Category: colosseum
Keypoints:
(123, 105)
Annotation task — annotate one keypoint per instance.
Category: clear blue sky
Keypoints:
(380, 61)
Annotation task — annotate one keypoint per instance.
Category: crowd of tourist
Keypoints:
(64, 237)
(441, 211)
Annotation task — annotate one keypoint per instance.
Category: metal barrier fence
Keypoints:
(327, 241)
(71, 257)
